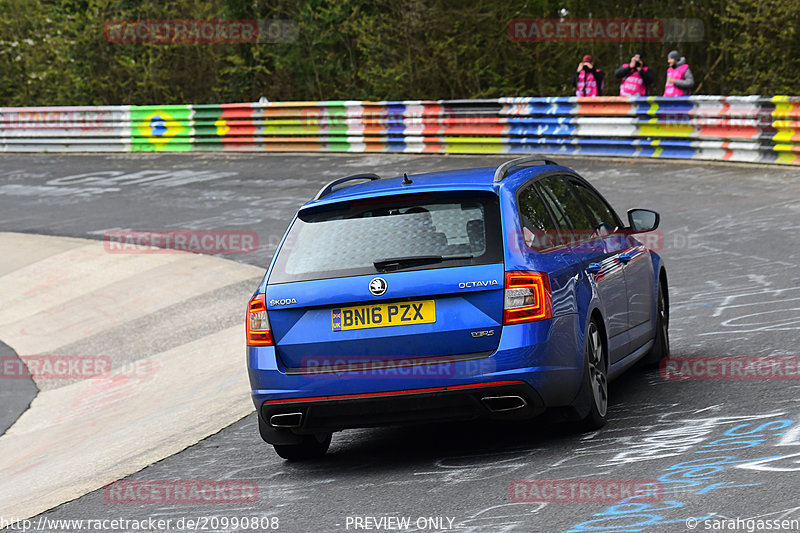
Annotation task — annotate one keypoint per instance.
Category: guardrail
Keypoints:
(749, 128)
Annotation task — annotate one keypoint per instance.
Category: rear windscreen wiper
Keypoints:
(397, 263)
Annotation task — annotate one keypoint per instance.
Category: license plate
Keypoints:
(382, 315)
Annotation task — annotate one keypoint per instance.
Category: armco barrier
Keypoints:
(750, 128)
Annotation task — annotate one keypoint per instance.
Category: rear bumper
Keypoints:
(542, 362)
(508, 400)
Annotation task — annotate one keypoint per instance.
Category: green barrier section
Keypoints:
(161, 128)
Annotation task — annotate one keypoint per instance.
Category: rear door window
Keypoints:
(538, 227)
(575, 216)
(603, 218)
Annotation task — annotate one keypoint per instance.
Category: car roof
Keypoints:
(468, 179)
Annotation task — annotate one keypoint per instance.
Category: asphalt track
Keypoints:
(106, 339)
(721, 448)
(16, 395)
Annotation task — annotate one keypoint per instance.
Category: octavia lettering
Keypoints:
(474, 284)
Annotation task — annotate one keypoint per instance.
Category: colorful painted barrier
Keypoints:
(750, 128)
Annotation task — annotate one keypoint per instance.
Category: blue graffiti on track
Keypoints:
(697, 477)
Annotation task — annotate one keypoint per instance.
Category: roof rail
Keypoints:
(328, 189)
(505, 169)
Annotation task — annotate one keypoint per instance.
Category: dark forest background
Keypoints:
(55, 52)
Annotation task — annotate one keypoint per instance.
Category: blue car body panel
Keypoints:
(546, 355)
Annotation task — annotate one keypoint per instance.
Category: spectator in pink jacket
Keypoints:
(635, 77)
(588, 80)
(680, 79)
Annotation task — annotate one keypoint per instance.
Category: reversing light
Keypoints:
(257, 322)
(527, 297)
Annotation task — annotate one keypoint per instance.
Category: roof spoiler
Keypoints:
(505, 169)
(328, 189)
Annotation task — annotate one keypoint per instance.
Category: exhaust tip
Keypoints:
(499, 404)
(286, 420)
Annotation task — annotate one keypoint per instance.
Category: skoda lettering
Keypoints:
(285, 301)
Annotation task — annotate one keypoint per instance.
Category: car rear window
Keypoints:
(348, 239)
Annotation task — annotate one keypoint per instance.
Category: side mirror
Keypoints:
(643, 220)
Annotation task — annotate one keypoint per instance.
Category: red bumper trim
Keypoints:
(394, 393)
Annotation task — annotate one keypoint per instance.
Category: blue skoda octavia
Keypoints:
(489, 292)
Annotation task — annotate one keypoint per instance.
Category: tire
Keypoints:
(312, 447)
(595, 379)
(660, 349)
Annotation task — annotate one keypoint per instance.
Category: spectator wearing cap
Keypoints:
(588, 80)
(635, 77)
(680, 80)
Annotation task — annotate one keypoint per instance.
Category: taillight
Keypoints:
(257, 322)
(527, 297)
